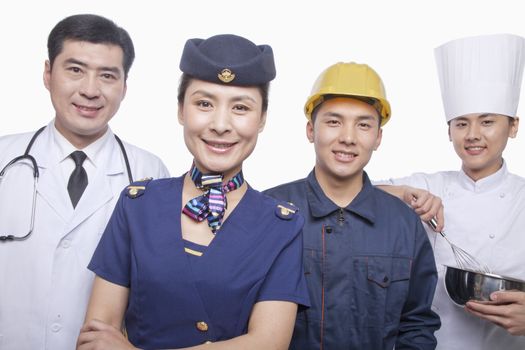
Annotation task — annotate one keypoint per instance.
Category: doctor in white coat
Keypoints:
(484, 204)
(44, 282)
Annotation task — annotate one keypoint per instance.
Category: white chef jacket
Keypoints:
(487, 219)
(44, 280)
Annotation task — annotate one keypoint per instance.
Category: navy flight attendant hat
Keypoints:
(228, 60)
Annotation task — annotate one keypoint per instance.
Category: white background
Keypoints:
(396, 38)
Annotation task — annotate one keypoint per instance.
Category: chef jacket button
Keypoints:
(56, 327)
(202, 326)
(66, 243)
(492, 235)
(502, 195)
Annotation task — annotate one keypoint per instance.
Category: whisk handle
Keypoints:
(433, 223)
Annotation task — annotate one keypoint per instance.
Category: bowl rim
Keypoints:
(493, 275)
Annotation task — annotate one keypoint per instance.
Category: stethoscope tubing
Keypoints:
(36, 174)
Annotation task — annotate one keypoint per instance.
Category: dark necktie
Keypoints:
(78, 179)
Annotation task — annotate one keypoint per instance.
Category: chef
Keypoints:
(484, 204)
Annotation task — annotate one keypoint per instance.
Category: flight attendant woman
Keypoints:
(203, 260)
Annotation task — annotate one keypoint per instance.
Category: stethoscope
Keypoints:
(36, 174)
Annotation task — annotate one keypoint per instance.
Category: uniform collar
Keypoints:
(487, 183)
(363, 205)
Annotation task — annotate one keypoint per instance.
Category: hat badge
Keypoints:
(226, 75)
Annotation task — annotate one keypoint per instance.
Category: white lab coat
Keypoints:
(487, 219)
(44, 282)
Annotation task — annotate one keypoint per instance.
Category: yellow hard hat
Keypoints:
(349, 79)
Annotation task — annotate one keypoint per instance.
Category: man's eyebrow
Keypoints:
(366, 117)
(75, 61)
(115, 70)
(339, 115)
(331, 114)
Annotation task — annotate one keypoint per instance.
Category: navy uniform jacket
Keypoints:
(369, 268)
(255, 256)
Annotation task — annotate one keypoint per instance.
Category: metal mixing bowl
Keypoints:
(464, 285)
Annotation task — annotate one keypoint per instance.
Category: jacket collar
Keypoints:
(363, 205)
(487, 183)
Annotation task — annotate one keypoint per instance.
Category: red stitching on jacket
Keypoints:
(322, 287)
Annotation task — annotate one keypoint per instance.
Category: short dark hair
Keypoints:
(186, 79)
(93, 29)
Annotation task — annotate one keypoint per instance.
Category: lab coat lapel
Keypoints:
(50, 183)
(102, 188)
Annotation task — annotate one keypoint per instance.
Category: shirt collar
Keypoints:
(92, 151)
(485, 184)
(363, 205)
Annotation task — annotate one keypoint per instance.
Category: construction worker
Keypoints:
(368, 262)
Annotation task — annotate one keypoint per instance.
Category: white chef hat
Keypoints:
(481, 74)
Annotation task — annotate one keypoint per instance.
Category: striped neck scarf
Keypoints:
(212, 203)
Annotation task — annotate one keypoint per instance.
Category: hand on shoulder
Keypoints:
(425, 204)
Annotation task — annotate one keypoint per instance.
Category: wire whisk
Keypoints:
(464, 260)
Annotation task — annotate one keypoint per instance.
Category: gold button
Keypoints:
(133, 191)
(202, 326)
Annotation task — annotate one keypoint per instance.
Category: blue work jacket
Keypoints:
(369, 268)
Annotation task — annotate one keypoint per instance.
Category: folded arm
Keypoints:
(103, 326)
(270, 326)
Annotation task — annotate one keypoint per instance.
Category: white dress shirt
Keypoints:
(93, 151)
